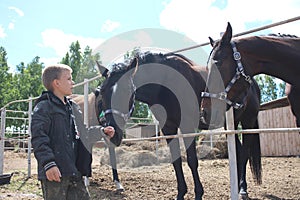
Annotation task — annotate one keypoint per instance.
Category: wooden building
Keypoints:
(277, 114)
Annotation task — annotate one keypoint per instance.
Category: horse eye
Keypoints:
(218, 63)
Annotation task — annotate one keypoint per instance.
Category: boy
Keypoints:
(61, 145)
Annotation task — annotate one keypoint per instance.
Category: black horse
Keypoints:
(171, 86)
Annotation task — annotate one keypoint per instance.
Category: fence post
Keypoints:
(232, 156)
(86, 103)
(2, 137)
(156, 135)
(29, 137)
(86, 115)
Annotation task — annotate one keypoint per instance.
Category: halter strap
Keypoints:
(125, 116)
(239, 72)
(240, 69)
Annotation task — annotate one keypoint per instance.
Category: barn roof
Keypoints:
(277, 103)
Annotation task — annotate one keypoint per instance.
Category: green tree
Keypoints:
(24, 83)
(270, 90)
(141, 111)
(28, 79)
(83, 65)
(66, 60)
(88, 70)
(5, 77)
(281, 88)
(75, 58)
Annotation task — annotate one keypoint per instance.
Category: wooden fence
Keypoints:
(277, 114)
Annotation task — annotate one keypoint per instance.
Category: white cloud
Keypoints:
(2, 32)
(17, 10)
(11, 26)
(60, 42)
(50, 61)
(114, 48)
(199, 19)
(109, 26)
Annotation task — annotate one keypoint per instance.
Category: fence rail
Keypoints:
(212, 132)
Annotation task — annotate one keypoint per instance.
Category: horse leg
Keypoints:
(192, 160)
(242, 159)
(113, 163)
(241, 162)
(293, 98)
(177, 164)
(250, 151)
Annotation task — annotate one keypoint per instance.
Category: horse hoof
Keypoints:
(119, 186)
(244, 197)
(243, 194)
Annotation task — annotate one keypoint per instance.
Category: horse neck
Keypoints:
(148, 94)
(272, 56)
(152, 94)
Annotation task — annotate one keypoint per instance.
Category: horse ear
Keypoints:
(134, 65)
(226, 38)
(212, 42)
(103, 70)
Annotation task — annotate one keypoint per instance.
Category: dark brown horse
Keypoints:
(171, 86)
(233, 62)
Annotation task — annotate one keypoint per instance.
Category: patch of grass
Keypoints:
(21, 184)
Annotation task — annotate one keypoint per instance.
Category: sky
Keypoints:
(47, 28)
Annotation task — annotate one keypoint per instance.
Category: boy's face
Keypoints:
(64, 84)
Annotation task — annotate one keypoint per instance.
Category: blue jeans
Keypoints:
(67, 189)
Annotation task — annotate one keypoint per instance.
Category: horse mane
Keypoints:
(149, 56)
(282, 35)
(184, 58)
(192, 64)
(118, 68)
(277, 36)
(166, 57)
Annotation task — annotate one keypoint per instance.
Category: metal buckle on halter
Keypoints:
(223, 95)
(238, 105)
(248, 79)
(237, 55)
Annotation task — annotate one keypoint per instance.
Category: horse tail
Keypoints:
(252, 141)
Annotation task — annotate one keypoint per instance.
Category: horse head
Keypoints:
(226, 85)
(115, 98)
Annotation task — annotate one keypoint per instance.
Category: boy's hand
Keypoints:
(109, 131)
(53, 174)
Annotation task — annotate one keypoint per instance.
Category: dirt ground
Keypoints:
(146, 177)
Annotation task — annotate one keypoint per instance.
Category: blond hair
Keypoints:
(52, 72)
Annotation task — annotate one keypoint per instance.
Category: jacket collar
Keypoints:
(50, 96)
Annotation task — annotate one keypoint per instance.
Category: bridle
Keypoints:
(240, 72)
(124, 116)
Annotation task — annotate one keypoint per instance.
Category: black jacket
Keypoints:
(60, 140)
